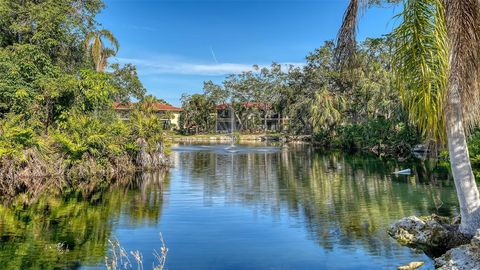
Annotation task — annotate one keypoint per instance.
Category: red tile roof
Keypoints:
(156, 106)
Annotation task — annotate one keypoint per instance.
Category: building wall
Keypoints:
(175, 121)
(224, 122)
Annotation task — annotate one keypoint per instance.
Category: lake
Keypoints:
(251, 207)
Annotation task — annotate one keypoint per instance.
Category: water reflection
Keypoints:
(229, 148)
(69, 232)
(291, 208)
(342, 201)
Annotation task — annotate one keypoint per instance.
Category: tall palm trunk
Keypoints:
(467, 191)
(462, 20)
(462, 99)
(99, 66)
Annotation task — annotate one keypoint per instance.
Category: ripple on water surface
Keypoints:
(261, 207)
(227, 148)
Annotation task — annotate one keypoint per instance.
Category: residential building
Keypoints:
(169, 115)
(250, 116)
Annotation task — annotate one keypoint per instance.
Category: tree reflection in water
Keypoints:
(67, 232)
(340, 199)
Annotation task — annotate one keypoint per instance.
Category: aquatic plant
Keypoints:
(121, 259)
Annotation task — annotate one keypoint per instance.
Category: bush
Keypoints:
(381, 136)
(144, 124)
(474, 148)
(101, 137)
(17, 136)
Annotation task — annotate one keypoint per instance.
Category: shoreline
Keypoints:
(38, 173)
(226, 138)
(381, 150)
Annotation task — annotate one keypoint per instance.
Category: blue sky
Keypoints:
(177, 45)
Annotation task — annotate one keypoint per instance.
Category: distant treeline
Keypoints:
(357, 109)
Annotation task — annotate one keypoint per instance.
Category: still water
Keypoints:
(245, 208)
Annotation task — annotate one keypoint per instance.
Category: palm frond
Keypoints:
(96, 47)
(96, 51)
(111, 38)
(88, 39)
(324, 110)
(420, 63)
(346, 44)
(463, 23)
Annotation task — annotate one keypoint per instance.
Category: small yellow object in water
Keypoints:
(411, 266)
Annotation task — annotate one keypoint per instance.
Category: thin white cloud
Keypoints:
(163, 66)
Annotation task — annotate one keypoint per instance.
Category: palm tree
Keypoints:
(463, 102)
(346, 38)
(325, 110)
(95, 46)
(437, 61)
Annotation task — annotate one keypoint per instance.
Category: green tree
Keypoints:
(145, 123)
(215, 93)
(56, 114)
(255, 95)
(441, 41)
(325, 111)
(56, 27)
(127, 82)
(95, 44)
(197, 113)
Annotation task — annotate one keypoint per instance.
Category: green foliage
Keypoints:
(215, 93)
(262, 87)
(100, 137)
(474, 148)
(22, 68)
(337, 107)
(95, 46)
(197, 114)
(127, 83)
(421, 65)
(325, 110)
(95, 91)
(379, 136)
(16, 136)
(55, 108)
(105, 136)
(55, 26)
(144, 123)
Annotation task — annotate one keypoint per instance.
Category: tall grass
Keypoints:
(121, 259)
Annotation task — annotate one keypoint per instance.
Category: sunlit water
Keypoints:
(245, 208)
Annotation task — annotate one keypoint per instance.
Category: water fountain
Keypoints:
(232, 148)
(232, 128)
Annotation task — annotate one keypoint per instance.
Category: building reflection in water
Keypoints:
(339, 199)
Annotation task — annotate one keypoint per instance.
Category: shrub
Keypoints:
(474, 148)
(16, 136)
(144, 124)
(101, 137)
(381, 136)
